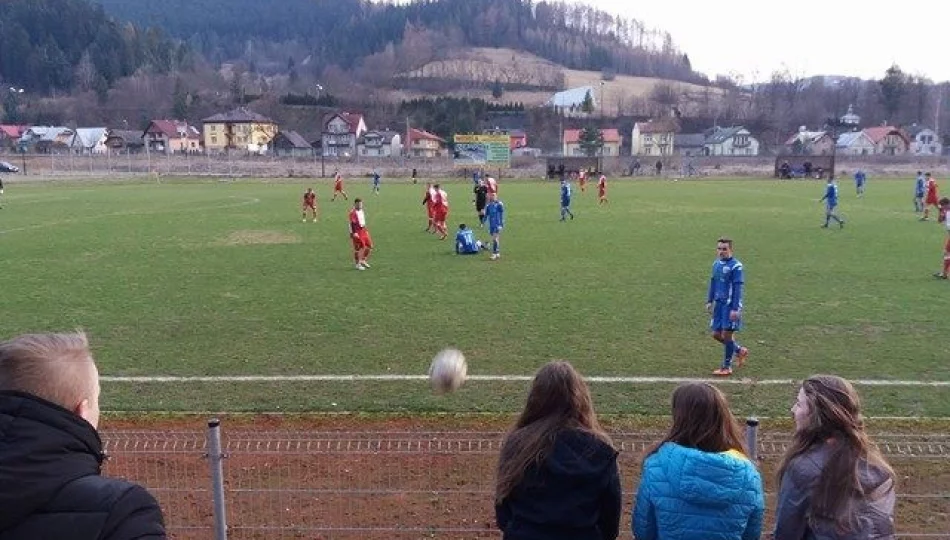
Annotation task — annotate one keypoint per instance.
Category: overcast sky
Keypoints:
(758, 37)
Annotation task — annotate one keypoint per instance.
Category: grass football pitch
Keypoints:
(207, 278)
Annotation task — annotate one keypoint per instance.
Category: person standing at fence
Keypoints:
(834, 483)
(698, 481)
(557, 472)
(50, 451)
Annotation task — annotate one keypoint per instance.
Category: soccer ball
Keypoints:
(448, 371)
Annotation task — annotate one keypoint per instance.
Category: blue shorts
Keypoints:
(720, 318)
(493, 229)
(830, 207)
(565, 203)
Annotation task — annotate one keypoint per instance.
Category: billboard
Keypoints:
(482, 151)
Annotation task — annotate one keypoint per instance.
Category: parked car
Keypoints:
(7, 167)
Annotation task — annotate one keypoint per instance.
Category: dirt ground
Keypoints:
(351, 476)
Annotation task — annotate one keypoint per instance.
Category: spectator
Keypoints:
(659, 167)
(697, 482)
(835, 484)
(50, 451)
(557, 473)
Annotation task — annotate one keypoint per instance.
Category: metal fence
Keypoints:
(408, 485)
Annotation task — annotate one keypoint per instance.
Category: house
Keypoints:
(730, 141)
(9, 135)
(923, 141)
(172, 137)
(854, 143)
(239, 129)
(291, 144)
(89, 141)
(341, 132)
(572, 143)
(654, 137)
(46, 139)
(125, 140)
(571, 102)
(888, 140)
(421, 143)
(380, 144)
(689, 144)
(812, 143)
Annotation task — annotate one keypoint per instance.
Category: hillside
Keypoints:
(529, 79)
(309, 36)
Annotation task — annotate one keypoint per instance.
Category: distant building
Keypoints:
(125, 140)
(380, 144)
(46, 139)
(239, 129)
(854, 143)
(90, 141)
(172, 137)
(730, 141)
(421, 143)
(888, 140)
(654, 137)
(341, 132)
(850, 119)
(9, 135)
(809, 143)
(923, 141)
(690, 144)
(572, 143)
(291, 144)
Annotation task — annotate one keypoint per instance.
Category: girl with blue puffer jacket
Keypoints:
(697, 482)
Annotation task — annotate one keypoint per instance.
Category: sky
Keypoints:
(753, 38)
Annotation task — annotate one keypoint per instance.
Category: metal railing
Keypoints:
(374, 485)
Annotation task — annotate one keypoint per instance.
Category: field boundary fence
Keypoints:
(217, 483)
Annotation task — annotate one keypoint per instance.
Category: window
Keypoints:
(214, 140)
(214, 128)
(648, 138)
(648, 149)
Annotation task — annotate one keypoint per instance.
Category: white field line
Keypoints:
(490, 378)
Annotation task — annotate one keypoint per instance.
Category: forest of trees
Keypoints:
(50, 45)
(321, 33)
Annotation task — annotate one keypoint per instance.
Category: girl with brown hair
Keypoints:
(557, 473)
(697, 482)
(835, 484)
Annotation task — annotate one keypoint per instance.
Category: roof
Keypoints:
(238, 116)
(352, 119)
(12, 131)
(295, 139)
(127, 135)
(689, 140)
(877, 133)
(663, 125)
(611, 135)
(44, 133)
(849, 138)
(720, 135)
(572, 97)
(805, 136)
(415, 134)
(89, 137)
(912, 130)
(170, 128)
(386, 135)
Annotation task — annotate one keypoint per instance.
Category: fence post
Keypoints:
(752, 437)
(217, 479)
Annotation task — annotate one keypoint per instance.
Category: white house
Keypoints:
(730, 141)
(379, 144)
(90, 141)
(923, 141)
(854, 143)
(341, 131)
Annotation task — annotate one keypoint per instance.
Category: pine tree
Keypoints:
(591, 140)
(588, 105)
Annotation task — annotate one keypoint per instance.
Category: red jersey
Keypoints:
(338, 183)
(357, 221)
(932, 187)
(492, 185)
(309, 198)
(602, 183)
(440, 199)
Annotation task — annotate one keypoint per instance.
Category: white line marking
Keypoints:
(489, 378)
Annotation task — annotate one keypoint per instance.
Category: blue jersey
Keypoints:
(375, 178)
(725, 287)
(465, 242)
(859, 178)
(831, 195)
(919, 188)
(565, 193)
(495, 215)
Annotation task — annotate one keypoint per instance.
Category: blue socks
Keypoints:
(494, 247)
(730, 350)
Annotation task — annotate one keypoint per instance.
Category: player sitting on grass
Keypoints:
(944, 217)
(466, 243)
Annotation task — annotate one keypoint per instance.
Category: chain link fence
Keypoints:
(410, 485)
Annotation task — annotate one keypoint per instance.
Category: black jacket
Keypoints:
(50, 487)
(573, 494)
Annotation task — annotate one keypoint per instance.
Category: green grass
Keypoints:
(160, 278)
